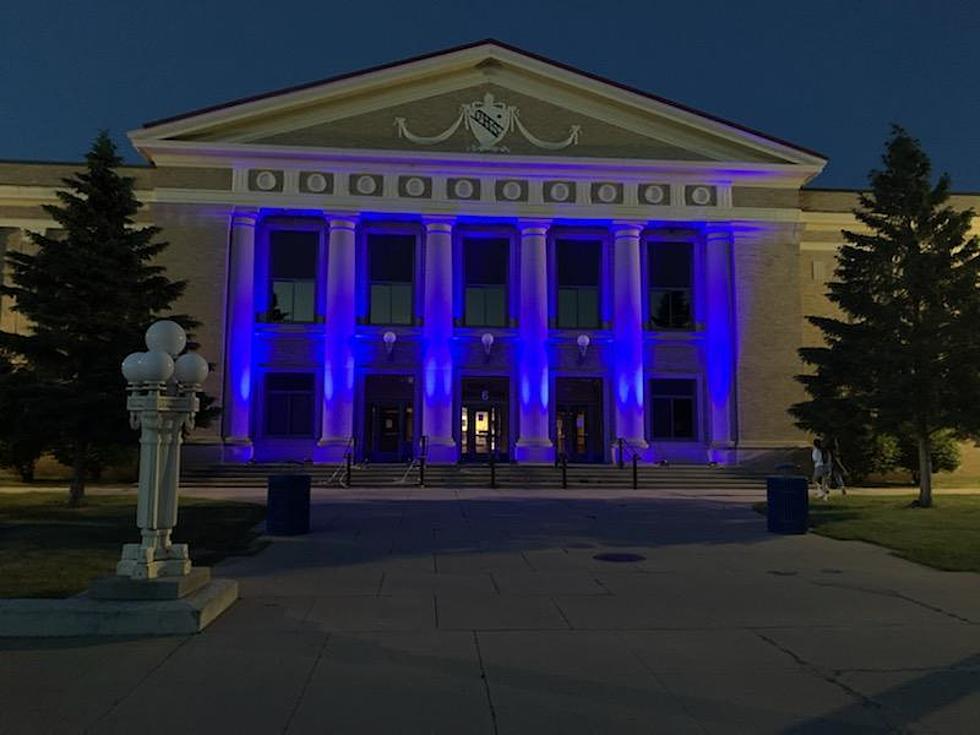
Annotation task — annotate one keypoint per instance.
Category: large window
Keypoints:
(578, 283)
(485, 269)
(292, 275)
(391, 263)
(671, 269)
(289, 404)
(674, 408)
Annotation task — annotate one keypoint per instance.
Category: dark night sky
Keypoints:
(827, 74)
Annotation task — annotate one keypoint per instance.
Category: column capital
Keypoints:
(718, 235)
(438, 223)
(244, 217)
(627, 228)
(342, 220)
(533, 227)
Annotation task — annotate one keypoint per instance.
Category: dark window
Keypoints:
(289, 404)
(673, 405)
(391, 264)
(292, 275)
(578, 283)
(671, 268)
(485, 268)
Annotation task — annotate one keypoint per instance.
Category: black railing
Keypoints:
(423, 454)
(342, 473)
(624, 446)
(348, 461)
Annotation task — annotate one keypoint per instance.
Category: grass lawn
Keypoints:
(945, 536)
(48, 549)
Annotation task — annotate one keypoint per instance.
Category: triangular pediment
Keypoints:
(487, 99)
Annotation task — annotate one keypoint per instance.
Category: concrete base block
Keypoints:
(85, 616)
(161, 588)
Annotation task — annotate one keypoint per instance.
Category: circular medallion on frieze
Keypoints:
(560, 191)
(366, 185)
(414, 187)
(463, 188)
(607, 193)
(701, 195)
(265, 180)
(653, 193)
(512, 191)
(316, 183)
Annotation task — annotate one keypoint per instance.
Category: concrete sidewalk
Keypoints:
(434, 611)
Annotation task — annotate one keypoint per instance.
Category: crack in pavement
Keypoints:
(895, 594)
(865, 701)
(486, 682)
(306, 684)
(112, 708)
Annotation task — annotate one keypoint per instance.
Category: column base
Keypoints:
(723, 453)
(330, 450)
(534, 452)
(441, 451)
(237, 450)
(147, 562)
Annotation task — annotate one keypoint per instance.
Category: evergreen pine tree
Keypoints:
(89, 292)
(905, 358)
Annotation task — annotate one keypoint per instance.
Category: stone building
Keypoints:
(481, 250)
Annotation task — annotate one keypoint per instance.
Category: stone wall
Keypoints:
(768, 334)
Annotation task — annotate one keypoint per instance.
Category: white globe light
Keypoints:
(191, 369)
(132, 367)
(166, 336)
(156, 366)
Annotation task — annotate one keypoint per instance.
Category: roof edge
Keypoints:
(508, 47)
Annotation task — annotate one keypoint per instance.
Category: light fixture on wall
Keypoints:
(487, 340)
(389, 339)
(583, 343)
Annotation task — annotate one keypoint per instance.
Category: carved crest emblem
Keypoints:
(489, 121)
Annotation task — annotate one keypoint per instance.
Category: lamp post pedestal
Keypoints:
(161, 419)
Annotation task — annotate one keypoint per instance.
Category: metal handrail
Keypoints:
(623, 445)
(418, 461)
(344, 466)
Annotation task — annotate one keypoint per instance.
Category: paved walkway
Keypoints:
(441, 612)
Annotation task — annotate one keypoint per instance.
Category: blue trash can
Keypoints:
(288, 505)
(787, 505)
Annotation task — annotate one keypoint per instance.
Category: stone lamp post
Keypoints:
(162, 401)
(154, 591)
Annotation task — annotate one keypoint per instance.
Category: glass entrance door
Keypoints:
(483, 420)
(578, 419)
(389, 419)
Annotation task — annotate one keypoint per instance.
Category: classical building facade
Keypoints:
(482, 251)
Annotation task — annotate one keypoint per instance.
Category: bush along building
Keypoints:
(482, 251)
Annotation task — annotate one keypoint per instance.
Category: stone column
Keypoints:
(628, 378)
(238, 387)
(719, 342)
(533, 376)
(437, 334)
(337, 412)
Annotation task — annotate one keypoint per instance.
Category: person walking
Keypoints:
(819, 455)
(837, 470)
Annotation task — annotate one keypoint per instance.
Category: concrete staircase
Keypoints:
(671, 477)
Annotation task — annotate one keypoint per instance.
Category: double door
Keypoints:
(578, 419)
(389, 422)
(483, 421)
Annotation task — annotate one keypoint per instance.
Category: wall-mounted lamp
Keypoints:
(487, 340)
(389, 338)
(583, 343)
